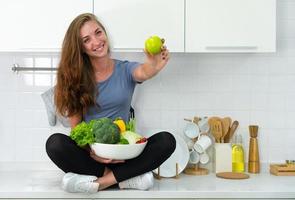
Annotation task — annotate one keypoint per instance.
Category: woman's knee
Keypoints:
(55, 143)
(167, 142)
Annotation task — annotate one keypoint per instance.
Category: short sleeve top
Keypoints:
(115, 93)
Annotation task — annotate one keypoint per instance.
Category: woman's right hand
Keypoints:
(104, 160)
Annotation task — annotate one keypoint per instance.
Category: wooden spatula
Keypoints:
(211, 122)
(226, 122)
(217, 130)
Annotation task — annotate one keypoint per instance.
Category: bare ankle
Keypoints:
(106, 171)
(106, 180)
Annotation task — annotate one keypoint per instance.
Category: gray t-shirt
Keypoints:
(115, 93)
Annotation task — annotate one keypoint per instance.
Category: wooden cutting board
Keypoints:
(232, 175)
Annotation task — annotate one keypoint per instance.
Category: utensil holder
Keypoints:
(223, 157)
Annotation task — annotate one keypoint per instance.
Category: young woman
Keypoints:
(91, 85)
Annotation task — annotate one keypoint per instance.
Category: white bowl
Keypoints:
(118, 151)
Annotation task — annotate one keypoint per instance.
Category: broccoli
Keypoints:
(105, 131)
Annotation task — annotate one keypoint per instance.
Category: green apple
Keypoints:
(153, 44)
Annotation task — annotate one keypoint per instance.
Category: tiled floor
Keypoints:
(46, 184)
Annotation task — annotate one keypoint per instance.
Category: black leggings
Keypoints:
(69, 157)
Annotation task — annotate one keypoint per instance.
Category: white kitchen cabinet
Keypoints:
(34, 25)
(130, 22)
(230, 26)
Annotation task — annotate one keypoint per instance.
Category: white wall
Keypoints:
(251, 88)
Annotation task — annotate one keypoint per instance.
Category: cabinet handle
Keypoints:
(231, 47)
(53, 50)
(128, 49)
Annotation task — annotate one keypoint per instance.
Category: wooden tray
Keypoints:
(232, 175)
(282, 169)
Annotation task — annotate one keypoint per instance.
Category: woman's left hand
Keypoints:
(158, 61)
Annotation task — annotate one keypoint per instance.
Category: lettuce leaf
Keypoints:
(82, 134)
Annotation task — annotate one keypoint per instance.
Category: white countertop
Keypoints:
(46, 184)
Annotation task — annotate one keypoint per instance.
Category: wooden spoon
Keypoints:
(231, 131)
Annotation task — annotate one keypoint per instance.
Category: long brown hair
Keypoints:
(75, 90)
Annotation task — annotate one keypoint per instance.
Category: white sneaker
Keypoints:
(142, 182)
(79, 183)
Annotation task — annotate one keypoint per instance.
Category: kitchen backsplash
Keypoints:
(251, 88)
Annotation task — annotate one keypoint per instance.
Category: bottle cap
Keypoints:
(238, 139)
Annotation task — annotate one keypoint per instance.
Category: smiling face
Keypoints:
(94, 40)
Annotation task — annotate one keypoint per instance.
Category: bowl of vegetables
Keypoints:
(118, 151)
(110, 139)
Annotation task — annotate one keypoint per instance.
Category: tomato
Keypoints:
(142, 140)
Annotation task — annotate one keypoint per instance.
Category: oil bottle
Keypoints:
(238, 163)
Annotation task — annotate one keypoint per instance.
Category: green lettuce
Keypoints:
(82, 134)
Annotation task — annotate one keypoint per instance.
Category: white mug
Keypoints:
(202, 143)
(203, 124)
(204, 158)
(194, 157)
(190, 144)
(191, 130)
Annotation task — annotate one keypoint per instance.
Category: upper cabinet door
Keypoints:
(230, 26)
(37, 25)
(130, 22)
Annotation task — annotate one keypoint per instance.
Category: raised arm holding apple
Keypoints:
(157, 56)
